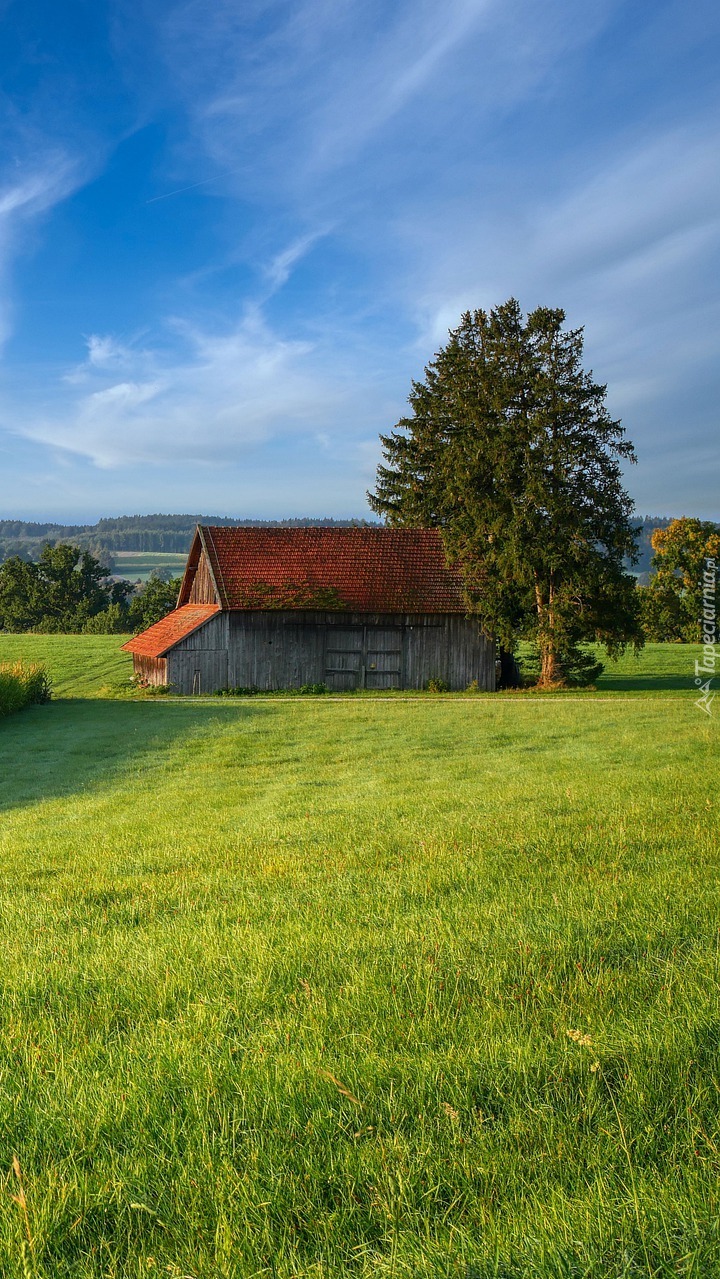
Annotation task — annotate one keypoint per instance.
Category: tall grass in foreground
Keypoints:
(386, 991)
(22, 684)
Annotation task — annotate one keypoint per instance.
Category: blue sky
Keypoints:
(231, 234)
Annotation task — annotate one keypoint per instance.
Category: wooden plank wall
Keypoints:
(199, 663)
(152, 670)
(202, 590)
(267, 649)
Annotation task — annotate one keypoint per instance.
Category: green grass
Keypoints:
(288, 987)
(657, 668)
(140, 564)
(94, 666)
(78, 665)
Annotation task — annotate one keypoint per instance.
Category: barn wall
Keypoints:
(450, 648)
(199, 663)
(267, 650)
(276, 650)
(152, 670)
(284, 650)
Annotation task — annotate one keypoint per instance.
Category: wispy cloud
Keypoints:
(280, 268)
(421, 159)
(222, 394)
(625, 248)
(40, 178)
(283, 97)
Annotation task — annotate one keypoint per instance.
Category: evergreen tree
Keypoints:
(512, 454)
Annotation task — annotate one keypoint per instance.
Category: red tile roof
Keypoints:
(363, 570)
(157, 639)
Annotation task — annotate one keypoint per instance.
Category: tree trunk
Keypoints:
(551, 672)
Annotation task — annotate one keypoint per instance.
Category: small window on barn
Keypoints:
(196, 681)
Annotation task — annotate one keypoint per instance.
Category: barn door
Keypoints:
(343, 658)
(363, 657)
(383, 657)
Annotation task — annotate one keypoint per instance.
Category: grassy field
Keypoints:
(93, 665)
(358, 988)
(136, 565)
(78, 665)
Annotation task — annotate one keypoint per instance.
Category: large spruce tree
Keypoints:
(510, 451)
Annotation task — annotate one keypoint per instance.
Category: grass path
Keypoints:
(371, 989)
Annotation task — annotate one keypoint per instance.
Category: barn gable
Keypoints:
(200, 583)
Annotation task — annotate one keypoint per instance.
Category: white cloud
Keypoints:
(104, 351)
(280, 269)
(216, 398)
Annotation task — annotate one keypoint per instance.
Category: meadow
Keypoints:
(370, 988)
(138, 565)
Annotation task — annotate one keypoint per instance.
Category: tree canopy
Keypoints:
(510, 451)
(68, 589)
(153, 601)
(672, 605)
(60, 591)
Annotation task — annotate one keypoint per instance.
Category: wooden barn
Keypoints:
(347, 607)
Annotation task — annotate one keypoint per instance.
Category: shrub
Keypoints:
(22, 685)
(113, 620)
(437, 685)
(141, 684)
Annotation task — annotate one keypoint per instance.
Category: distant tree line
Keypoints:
(645, 528)
(173, 534)
(169, 533)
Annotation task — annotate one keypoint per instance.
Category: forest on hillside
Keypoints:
(161, 533)
(172, 534)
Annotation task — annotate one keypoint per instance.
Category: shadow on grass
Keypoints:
(77, 744)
